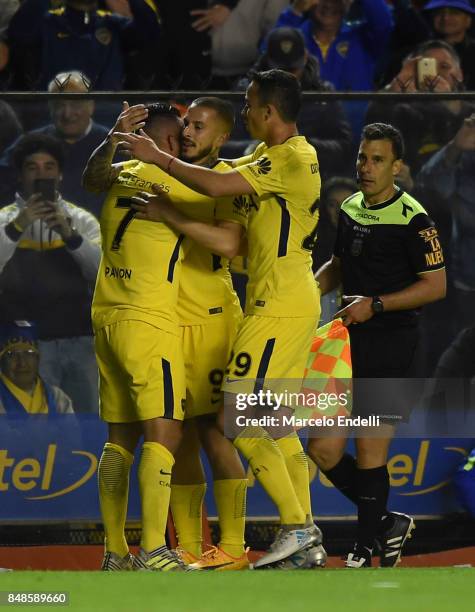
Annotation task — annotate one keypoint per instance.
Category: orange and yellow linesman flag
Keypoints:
(326, 385)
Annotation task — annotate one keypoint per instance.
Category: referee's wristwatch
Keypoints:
(377, 305)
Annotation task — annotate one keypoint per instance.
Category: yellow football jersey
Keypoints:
(206, 289)
(281, 229)
(139, 273)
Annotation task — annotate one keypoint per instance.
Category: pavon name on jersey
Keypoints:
(112, 272)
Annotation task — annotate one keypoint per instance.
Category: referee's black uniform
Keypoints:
(382, 249)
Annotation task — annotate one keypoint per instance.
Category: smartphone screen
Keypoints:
(47, 188)
(426, 68)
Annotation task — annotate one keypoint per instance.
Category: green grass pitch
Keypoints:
(368, 590)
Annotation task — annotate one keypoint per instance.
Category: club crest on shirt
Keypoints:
(342, 48)
(286, 46)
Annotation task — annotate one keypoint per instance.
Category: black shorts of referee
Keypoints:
(385, 363)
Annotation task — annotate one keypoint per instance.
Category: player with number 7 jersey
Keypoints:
(141, 261)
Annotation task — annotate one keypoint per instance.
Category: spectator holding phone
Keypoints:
(427, 126)
(433, 66)
(451, 21)
(49, 257)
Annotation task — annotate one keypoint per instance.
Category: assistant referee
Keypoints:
(389, 261)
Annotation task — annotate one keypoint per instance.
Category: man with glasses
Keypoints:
(22, 390)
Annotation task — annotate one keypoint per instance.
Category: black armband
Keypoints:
(73, 242)
(12, 231)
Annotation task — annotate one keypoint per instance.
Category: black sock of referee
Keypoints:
(343, 476)
(373, 492)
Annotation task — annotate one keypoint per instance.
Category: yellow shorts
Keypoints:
(206, 350)
(141, 373)
(269, 352)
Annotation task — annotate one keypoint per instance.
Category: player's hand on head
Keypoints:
(138, 146)
(131, 118)
(358, 310)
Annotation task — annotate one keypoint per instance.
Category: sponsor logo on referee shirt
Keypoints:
(367, 216)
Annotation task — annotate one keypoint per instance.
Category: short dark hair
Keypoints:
(159, 111)
(281, 89)
(222, 108)
(36, 143)
(435, 44)
(384, 131)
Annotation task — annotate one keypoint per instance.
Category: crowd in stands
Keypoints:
(47, 268)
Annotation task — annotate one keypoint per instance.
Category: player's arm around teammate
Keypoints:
(263, 122)
(204, 180)
(283, 224)
(209, 315)
(224, 238)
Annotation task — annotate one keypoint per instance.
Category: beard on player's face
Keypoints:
(192, 153)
